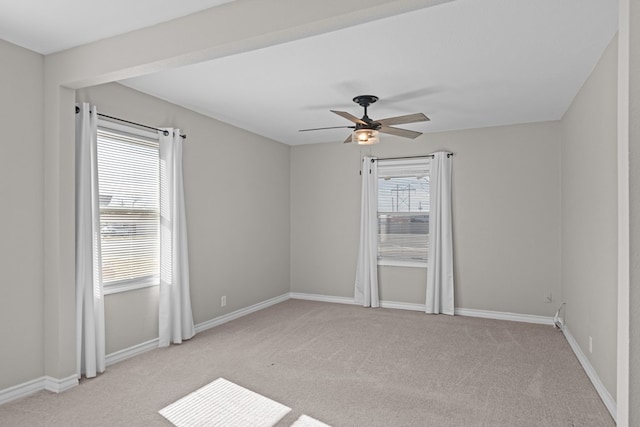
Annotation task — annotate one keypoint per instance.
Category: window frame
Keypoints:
(391, 262)
(137, 283)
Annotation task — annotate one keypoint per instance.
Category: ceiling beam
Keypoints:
(229, 29)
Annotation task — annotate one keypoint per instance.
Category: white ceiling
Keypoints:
(465, 64)
(47, 26)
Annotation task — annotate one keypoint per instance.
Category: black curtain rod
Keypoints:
(408, 157)
(166, 132)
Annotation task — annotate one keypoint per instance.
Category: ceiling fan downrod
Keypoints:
(364, 101)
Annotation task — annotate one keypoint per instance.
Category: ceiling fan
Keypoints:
(366, 130)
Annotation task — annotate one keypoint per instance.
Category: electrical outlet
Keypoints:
(590, 345)
(548, 297)
(223, 301)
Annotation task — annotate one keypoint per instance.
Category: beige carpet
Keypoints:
(347, 366)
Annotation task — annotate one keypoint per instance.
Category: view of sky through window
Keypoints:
(403, 194)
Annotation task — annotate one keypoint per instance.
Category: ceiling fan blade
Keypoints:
(405, 133)
(409, 118)
(349, 117)
(331, 127)
(348, 140)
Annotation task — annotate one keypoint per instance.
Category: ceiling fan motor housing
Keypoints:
(365, 100)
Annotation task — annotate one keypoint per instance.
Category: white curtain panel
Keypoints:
(175, 315)
(90, 330)
(366, 285)
(440, 264)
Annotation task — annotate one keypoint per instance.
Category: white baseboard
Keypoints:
(351, 301)
(39, 384)
(499, 315)
(135, 350)
(403, 306)
(239, 313)
(321, 298)
(515, 317)
(59, 385)
(606, 397)
(21, 390)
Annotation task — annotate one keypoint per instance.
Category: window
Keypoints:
(128, 183)
(403, 212)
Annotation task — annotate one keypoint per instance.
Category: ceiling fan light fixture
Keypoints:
(366, 130)
(365, 136)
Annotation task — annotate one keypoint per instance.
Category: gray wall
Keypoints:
(237, 203)
(634, 213)
(158, 47)
(506, 207)
(590, 216)
(21, 293)
(21, 187)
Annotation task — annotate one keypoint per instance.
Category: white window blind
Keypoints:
(403, 210)
(128, 181)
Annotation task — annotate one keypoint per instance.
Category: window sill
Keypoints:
(129, 286)
(399, 263)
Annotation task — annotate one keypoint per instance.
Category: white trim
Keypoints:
(403, 306)
(132, 351)
(499, 315)
(514, 317)
(34, 386)
(606, 397)
(59, 385)
(21, 390)
(624, 251)
(241, 312)
(129, 286)
(138, 349)
(322, 298)
(604, 394)
(390, 262)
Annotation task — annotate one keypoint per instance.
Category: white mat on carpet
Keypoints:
(307, 421)
(223, 403)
